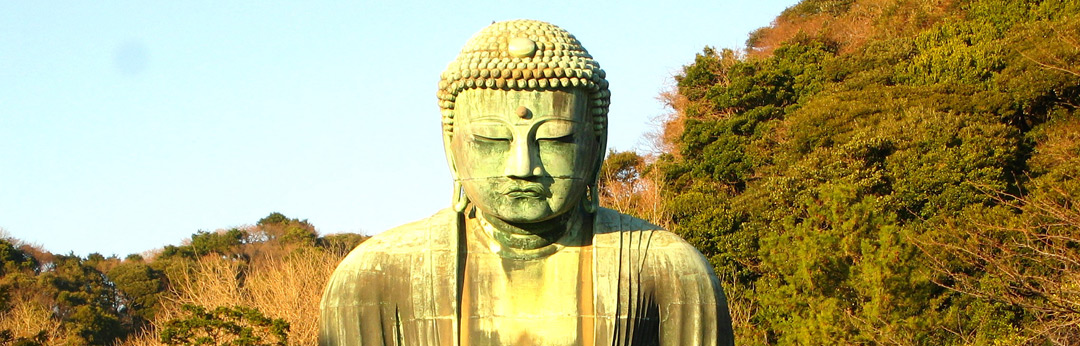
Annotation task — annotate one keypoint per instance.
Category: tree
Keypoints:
(225, 326)
(7, 338)
(341, 243)
(85, 301)
(140, 288)
(16, 278)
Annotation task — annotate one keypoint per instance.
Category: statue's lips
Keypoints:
(526, 191)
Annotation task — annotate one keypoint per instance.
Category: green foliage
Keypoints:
(341, 243)
(224, 326)
(101, 300)
(221, 243)
(12, 259)
(273, 219)
(813, 177)
(734, 103)
(298, 235)
(16, 272)
(715, 227)
(277, 227)
(1022, 252)
(85, 301)
(14, 267)
(140, 286)
(7, 338)
(623, 166)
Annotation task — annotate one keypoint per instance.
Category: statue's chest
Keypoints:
(545, 301)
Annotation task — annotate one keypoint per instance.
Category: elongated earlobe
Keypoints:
(460, 200)
(591, 201)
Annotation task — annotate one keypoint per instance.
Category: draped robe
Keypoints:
(404, 287)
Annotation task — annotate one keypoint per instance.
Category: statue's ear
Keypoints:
(601, 149)
(458, 200)
(448, 139)
(601, 153)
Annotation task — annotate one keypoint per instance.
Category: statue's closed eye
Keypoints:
(556, 130)
(491, 132)
(563, 139)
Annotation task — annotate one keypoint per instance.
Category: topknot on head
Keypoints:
(524, 55)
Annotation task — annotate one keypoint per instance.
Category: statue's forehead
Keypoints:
(521, 105)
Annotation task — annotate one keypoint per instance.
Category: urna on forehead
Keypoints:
(524, 55)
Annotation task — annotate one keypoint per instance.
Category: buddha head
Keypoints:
(524, 114)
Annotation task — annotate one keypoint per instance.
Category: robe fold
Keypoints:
(402, 287)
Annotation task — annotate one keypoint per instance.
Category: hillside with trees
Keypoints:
(254, 285)
(863, 172)
(884, 172)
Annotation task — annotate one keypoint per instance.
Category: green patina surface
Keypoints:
(525, 256)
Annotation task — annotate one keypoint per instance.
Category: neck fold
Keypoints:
(532, 240)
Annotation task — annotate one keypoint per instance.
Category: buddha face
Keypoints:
(523, 156)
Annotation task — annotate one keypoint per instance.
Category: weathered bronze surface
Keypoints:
(524, 256)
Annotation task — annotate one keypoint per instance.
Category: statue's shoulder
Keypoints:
(616, 229)
(611, 223)
(379, 269)
(401, 241)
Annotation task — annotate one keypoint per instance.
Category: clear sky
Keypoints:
(129, 125)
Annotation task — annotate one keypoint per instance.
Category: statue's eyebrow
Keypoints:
(576, 122)
(489, 119)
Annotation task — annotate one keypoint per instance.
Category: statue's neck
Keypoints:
(530, 240)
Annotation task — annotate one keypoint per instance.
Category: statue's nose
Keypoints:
(522, 163)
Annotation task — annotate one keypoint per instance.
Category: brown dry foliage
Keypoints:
(671, 125)
(639, 197)
(27, 316)
(288, 288)
(28, 312)
(852, 24)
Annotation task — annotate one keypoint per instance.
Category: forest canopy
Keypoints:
(886, 172)
(245, 286)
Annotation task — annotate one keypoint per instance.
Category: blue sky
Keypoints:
(129, 125)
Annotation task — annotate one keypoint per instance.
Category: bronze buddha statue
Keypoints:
(525, 256)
